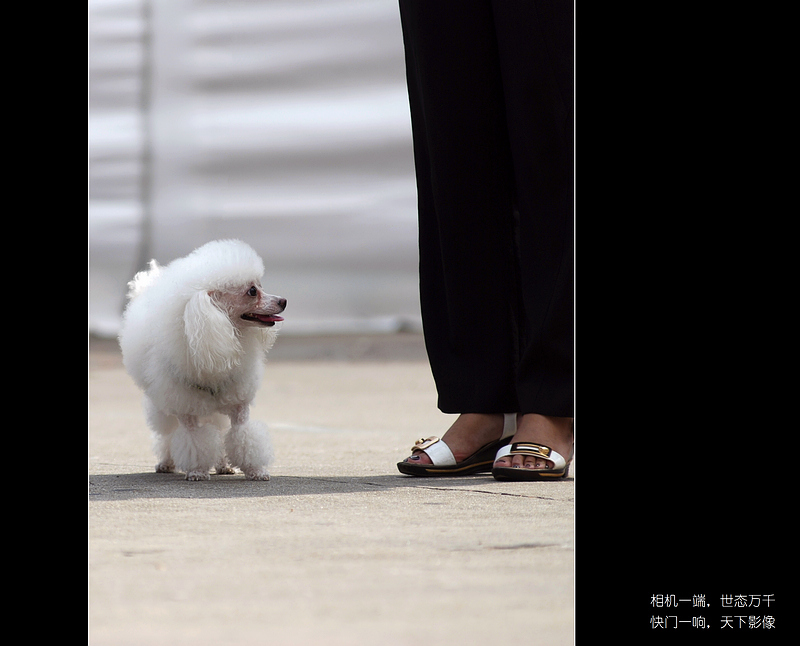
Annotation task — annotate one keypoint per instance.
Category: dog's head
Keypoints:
(249, 306)
(227, 303)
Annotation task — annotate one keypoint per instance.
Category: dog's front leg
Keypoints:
(248, 444)
(239, 415)
(195, 447)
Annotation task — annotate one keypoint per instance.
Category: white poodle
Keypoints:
(194, 338)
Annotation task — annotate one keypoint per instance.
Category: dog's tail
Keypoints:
(143, 279)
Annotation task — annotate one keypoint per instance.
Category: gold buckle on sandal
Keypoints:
(529, 448)
(423, 443)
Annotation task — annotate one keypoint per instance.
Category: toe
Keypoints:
(419, 457)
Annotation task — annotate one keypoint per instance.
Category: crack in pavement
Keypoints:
(448, 489)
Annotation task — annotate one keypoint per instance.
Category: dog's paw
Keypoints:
(195, 476)
(165, 467)
(256, 474)
(224, 468)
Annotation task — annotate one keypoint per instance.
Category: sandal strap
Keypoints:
(535, 450)
(439, 453)
(509, 425)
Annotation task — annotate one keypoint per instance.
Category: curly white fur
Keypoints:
(194, 338)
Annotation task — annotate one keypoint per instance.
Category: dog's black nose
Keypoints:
(282, 303)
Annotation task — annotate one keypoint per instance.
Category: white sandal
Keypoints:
(560, 468)
(444, 462)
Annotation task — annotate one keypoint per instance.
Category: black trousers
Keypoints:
(490, 92)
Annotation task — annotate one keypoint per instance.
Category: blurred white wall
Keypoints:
(281, 122)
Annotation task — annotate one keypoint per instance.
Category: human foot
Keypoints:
(553, 432)
(468, 433)
(475, 442)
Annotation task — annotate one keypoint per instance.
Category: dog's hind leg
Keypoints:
(223, 465)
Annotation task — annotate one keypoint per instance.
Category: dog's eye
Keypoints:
(253, 291)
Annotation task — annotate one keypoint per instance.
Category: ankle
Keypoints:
(471, 431)
(550, 421)
(545, 429)
(477, 426)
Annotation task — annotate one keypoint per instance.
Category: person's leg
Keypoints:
(465, 190)
(535, 41)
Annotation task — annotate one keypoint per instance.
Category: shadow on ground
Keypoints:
(131, 486)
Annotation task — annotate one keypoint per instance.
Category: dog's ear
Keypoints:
(213, 342)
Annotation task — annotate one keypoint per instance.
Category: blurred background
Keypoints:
(283, 123)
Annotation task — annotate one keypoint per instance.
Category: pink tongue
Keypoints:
(269, 318)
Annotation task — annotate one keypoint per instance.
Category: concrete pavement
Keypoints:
(338, 548)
